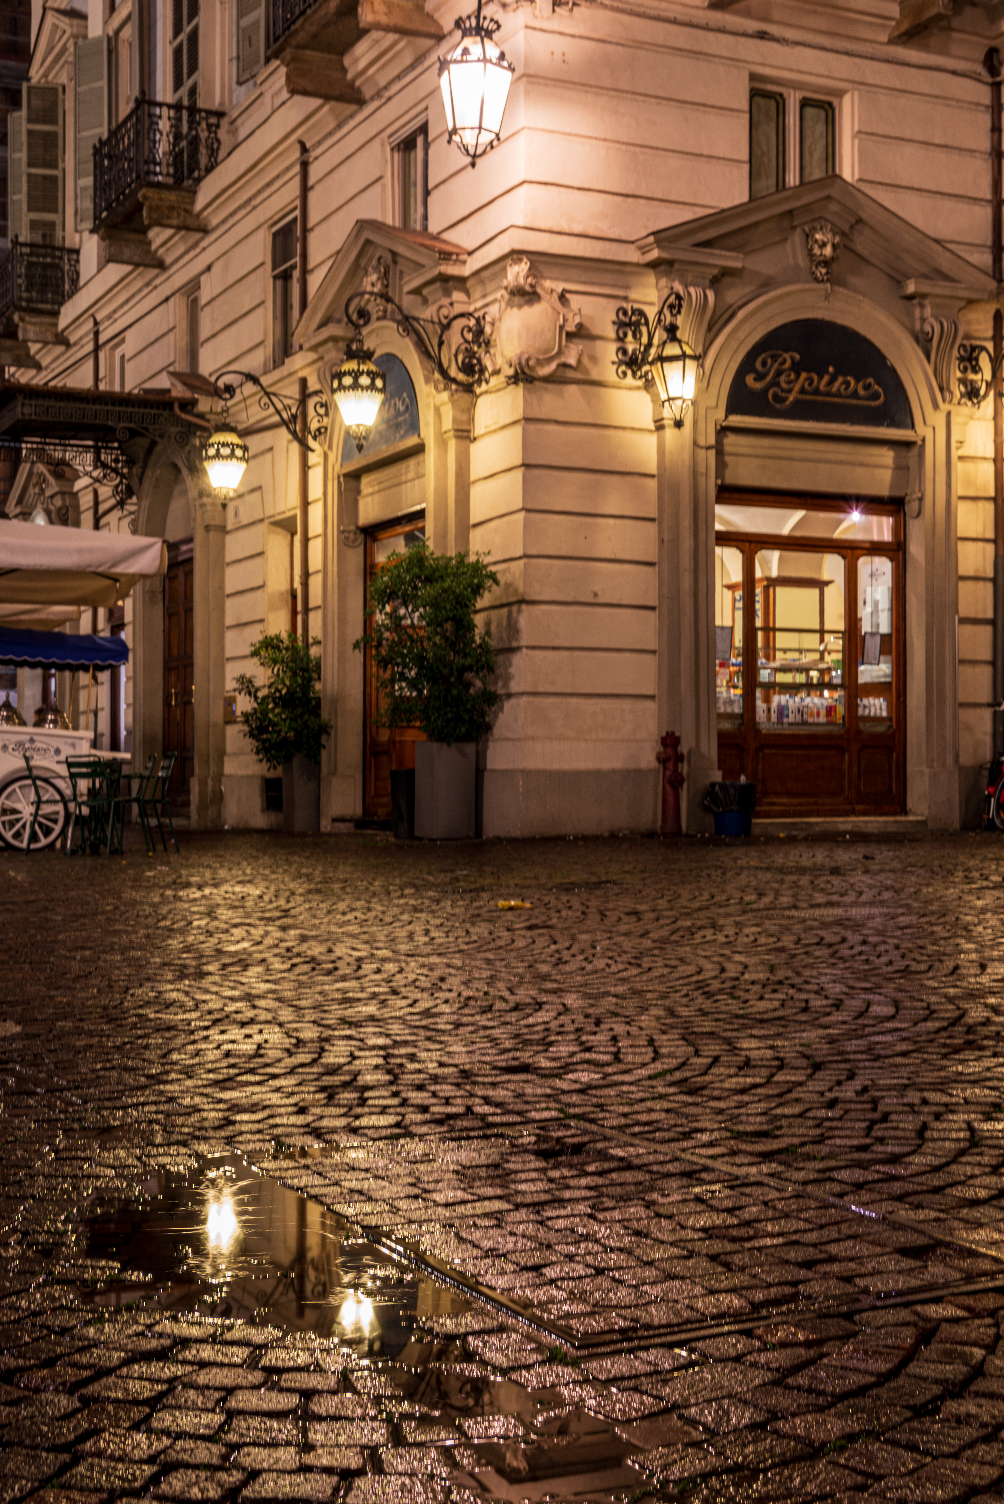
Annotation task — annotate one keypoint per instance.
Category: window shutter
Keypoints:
(15, 175)
(91, 97)
(43, 162)
(250, 38)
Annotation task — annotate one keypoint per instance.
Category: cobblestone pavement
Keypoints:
(719, 1125)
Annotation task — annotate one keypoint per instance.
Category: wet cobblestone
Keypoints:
(724, 1122)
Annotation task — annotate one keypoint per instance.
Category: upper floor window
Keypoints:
(193, 331)
(792, 139)
(283, 285)
(185, 52)
(411, 157)
(35, 167)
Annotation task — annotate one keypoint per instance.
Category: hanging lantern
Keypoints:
(358, 387)
(225, 456)
(674, 371)
(475, 81)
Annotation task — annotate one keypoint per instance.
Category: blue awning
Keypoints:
(59, 650)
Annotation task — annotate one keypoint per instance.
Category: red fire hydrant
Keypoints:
(672, 782)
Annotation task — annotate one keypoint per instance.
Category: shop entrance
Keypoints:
(810, 670)
(386, 749)
(179, 669)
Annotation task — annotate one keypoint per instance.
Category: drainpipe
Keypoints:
(992, 64)
(95, 383)
(302, 521)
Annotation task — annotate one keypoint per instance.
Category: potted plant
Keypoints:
(285, 726)
(434, 669)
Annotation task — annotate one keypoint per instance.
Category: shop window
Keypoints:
(792, 139)
(412, 164)
(283, 288)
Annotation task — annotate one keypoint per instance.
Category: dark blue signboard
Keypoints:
(397, 418)
(818, 372)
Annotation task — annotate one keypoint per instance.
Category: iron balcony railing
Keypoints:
(284, 16)
(37, 278)
(155, 146)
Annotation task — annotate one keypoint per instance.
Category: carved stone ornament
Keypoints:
(376, 283)
(532, 325)
(822, 241)
(47, 490)
(913, 504)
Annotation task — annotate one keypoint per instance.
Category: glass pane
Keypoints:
(875, 607)
(800, 640)
(729, 637)
(398, 542)
(815, 139)
(766, 144)
(844, 524)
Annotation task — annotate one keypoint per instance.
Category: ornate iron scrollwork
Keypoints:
(288, 413)
(976, 372)
(456, 345)
(636, 336)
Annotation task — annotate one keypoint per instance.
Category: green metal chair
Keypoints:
(48, 816)
(130, 789)
(158, 799)
(92, 798)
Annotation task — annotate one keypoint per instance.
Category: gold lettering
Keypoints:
(776, 375)
(767, 366)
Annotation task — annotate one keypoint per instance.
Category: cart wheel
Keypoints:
(997, 806)
(17, 805)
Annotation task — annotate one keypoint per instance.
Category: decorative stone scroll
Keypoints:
(940, 339)
(532, 324)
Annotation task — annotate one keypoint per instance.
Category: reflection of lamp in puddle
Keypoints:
(221, 1223)
(358, 1319)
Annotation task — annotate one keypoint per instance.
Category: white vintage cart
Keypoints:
(48, 751)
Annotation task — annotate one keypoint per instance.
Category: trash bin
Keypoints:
(732, 805)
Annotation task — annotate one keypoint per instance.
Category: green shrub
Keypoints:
(434, 667)
(285, 716)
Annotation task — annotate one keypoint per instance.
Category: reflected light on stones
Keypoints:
(221, 1224)
(357, 1311)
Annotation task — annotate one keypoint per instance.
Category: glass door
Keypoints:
(809, 653)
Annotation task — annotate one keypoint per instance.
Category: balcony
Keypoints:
(35, 281)
(146, 172)
(311, 37)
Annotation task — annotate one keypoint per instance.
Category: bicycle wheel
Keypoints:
(17, 805)
(997, 806)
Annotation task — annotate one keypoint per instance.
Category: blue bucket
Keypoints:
(732, 822)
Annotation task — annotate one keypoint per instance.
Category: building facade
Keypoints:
(798, 579)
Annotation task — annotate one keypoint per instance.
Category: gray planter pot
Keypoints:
(445, 785)
(301, 797)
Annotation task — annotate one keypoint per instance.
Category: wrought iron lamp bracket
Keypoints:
(636, 337)
(286, 411)
(977, 372)
(460, 360)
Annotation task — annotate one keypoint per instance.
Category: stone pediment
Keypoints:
(57, 31)
(418, 269)
(825, 234)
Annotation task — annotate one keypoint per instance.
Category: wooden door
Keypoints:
(179, 676)
(811, 679)
(386, 749)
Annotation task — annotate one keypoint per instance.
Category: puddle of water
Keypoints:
(225, 1241)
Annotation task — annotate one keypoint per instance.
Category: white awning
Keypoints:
(70, 566)
(41, 617)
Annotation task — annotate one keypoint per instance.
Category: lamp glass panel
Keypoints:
(359, 409)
